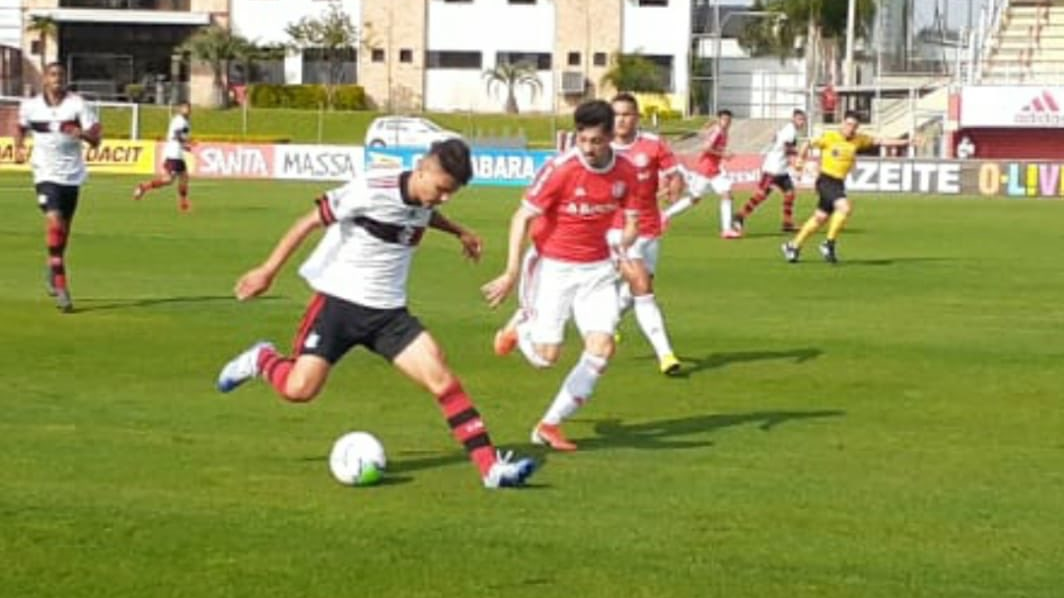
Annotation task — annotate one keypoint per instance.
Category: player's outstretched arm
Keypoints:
(472, 245)
(257, 280)
(803, 153)
(496, 291)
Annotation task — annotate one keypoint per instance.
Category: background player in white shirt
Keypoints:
(572, 202)
(359, 272)
(60, 122)
(178, 141)
(776, 173)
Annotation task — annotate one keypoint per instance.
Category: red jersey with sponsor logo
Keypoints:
(652, 158)
(717, 140)
(577, 204)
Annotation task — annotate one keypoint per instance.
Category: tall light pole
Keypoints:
(719, 33)
(851, 21)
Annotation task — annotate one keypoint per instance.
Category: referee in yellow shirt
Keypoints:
(838, 152)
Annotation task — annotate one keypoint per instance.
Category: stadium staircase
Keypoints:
(1027, 45)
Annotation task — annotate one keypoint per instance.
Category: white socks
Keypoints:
(648, 314)
(679, 207)
(725, 213)
(528, 348)
(624, 297)
(577, 388)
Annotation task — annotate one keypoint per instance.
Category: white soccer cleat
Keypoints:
(505, 473)
(241, 368)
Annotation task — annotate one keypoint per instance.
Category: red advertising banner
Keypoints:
(226, 160)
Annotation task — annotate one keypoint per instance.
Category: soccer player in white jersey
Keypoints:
(572, 204)
(359, 274)
(61, 123)
(178, 141)
(776, 173)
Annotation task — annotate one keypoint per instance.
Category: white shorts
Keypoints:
(552, 291)
(700, 185)
(647, 249)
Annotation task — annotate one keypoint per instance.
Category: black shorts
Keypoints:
(331, 327)
(830, 190)
(53, 197)
(175, 166)
(783, 181)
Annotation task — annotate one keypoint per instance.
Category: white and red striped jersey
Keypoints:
(577, 204)
(57, 155)
(652, 158)
(709, 164)
(177, 135)
(778, 158)
(373, 228)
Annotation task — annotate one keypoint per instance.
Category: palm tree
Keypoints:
(512, 75)
(217, 46)
(634, 72)
(821, 23)
(46, 28)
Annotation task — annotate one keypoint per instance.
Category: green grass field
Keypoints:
(345, 127)
(889, 427)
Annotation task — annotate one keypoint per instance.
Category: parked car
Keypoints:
(405, 131)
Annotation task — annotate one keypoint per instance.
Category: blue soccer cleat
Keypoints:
(242, 368)
(505, 473)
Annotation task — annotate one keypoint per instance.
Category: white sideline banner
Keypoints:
(318, 162)
(1012, 106)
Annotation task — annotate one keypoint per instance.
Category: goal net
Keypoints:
(120, 120)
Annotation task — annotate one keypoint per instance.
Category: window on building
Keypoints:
(406, 55)
(540, 59)
(321, 65)
(453, 59)
(664, 64)
(377, 55)
(599, 59)
(573, 59)
(522, 1)
(653, 2)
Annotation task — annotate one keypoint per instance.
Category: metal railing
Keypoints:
(981, 41)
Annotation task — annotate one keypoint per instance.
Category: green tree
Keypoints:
(217, 47)
(820, 24)
(334, 34)
(635, 73)
(46, 28)
(510, 76)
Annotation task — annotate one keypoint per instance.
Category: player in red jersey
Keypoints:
(573, 202)
(655, 160)
(709, 175)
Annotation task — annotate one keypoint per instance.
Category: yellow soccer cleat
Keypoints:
(670, 366)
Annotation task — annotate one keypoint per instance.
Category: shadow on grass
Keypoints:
(891, 261)
(663, 434)
(693, 365)
(89, 305)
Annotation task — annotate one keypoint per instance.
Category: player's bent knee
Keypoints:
(299, 392)
(599, 344)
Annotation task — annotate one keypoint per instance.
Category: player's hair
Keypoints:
(626, 97)
(798, 112)
(453, 156)
(724, 112)
(851, 114)
(594, 113)
(55, 63)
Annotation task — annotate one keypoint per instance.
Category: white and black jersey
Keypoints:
(57, 155)
(177, 136)
(777, 160)
(373, 229)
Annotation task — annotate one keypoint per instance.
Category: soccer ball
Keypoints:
(357, 459)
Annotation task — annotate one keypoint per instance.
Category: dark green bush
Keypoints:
(306, 97)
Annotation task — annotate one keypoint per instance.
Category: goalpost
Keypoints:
(113, 116)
